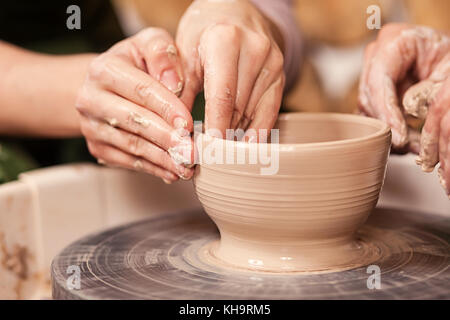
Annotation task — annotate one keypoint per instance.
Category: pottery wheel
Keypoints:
(159, 258)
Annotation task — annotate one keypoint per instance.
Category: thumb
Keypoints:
(419, 97)
(191, 88)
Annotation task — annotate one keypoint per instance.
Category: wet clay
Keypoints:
(419, 97)
(304, 217)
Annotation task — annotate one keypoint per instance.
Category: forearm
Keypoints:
(38, 92)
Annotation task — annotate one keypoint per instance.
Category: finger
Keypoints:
(193, 75)
(187, 43)
(132, 144)
(385, 105)
(121, 113)
(251, 61)
(192, 87)
(111, 156)
(414, 141)
(417, 98)
(363, 90)
(157, 47)
(444, 153)
(400, 49)
(135, 85)
(268, 75)
(162, 60)
(220, 56)
(266, 111)
(394, 56)
(429, 141)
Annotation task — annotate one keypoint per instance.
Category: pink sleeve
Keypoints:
(280, 12)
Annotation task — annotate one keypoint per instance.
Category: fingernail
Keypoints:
(166, 181)
(101, 161)
(169, 177)
(180, 123)
(185, 176)
(172, 82)
(183, 172)
(179, 89)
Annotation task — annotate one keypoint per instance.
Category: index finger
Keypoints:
(391, 58)
(139, 87)
(220, 59)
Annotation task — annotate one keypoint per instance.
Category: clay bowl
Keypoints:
(305, 217)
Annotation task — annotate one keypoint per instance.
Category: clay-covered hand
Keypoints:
(406, 72)
(230, 50)
(130, 113)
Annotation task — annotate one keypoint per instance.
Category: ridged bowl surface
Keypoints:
(304, 217)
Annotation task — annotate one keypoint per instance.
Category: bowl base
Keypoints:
(366, 247)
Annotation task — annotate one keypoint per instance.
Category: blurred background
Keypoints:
(334, 35)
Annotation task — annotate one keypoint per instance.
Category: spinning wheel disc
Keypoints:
(161, 258)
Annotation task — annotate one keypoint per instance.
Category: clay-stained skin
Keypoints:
(129, 108)
(182, 153)
(401, 55)
(428, 156)
(228, 48)
(305, 216)
(172, 53)
(138, 165)
(113, 122)
(419, 97)
(136, 117)
(387, 62)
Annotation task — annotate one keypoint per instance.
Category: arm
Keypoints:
(38, 92)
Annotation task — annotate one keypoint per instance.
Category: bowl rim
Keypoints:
(383, 130)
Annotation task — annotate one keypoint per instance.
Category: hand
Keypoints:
(229, 49)
(401, 56)
(130, 113)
